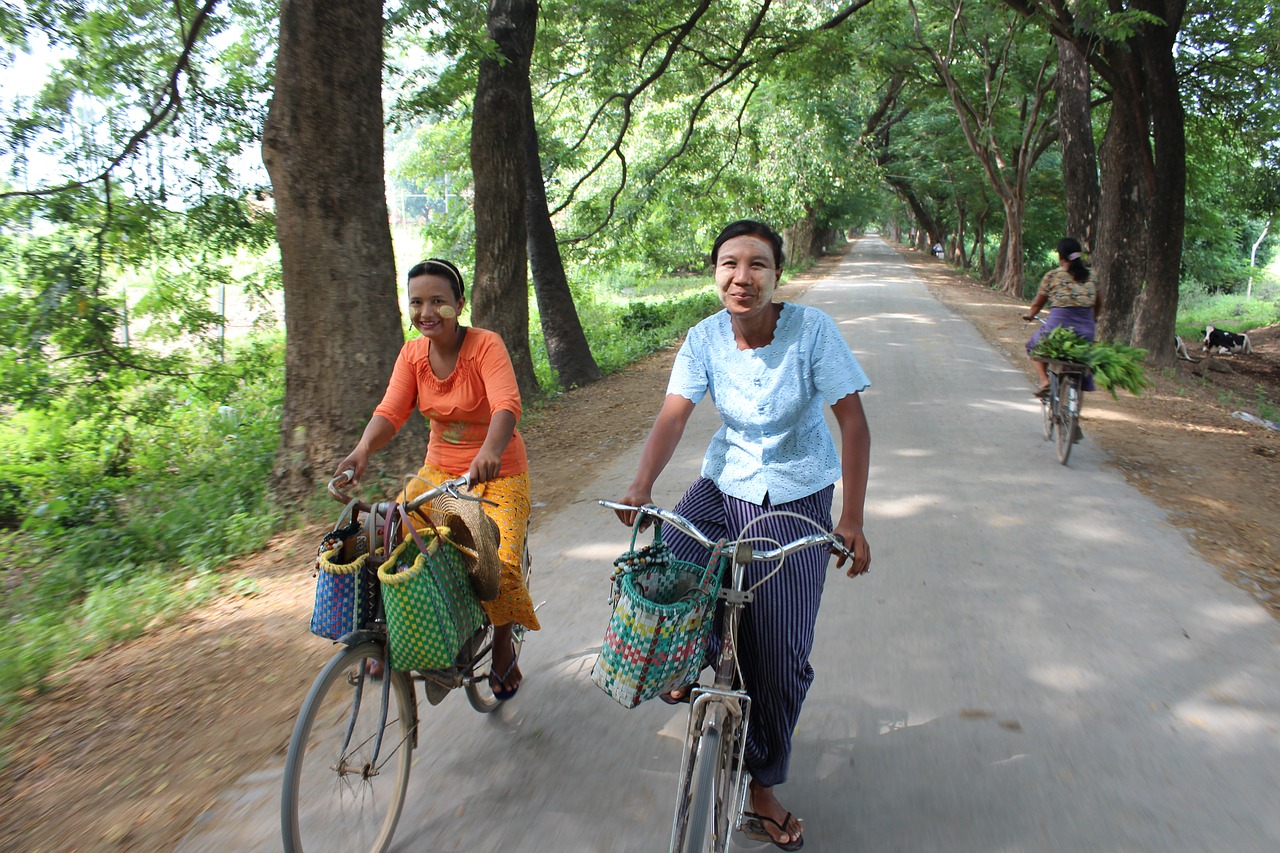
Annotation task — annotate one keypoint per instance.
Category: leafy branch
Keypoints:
(167, 101)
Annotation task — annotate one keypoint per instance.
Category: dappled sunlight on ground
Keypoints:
(904, 507)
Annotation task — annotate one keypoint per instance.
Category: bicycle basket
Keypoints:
(656, 639)
(347, 589)
(430, 607)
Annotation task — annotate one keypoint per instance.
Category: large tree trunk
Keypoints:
(1075, 133)
(1119, 263)
(1166, 213)
(500, 295)
(322, 145)
(928, 224)
(567, 347)
(1009, 263)
(798, 240)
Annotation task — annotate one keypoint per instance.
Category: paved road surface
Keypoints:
(1038, 660)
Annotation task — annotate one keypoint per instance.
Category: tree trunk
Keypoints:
(980, 242)
(567, 347)
(1009, 264)
(957, 254)
(1119, 263)
(933, 232)
(1166, 213)
(1075, 134)
(798, 240)
(322, 145)
(500, 295)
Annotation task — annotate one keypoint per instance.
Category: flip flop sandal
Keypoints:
(752, 825)
(496, 681)
(683, 700)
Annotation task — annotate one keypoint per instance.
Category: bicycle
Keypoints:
(1061, 405)
(711, 796)
(347, 767)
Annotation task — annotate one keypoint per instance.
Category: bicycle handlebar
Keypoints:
(450, 487)
(832, 539)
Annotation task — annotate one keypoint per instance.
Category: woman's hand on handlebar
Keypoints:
(855, 544)
(633, 497)
(357, 461)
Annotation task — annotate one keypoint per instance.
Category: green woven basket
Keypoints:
(656, 640)
(430, 607)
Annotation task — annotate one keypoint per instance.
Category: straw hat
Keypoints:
(476, 536)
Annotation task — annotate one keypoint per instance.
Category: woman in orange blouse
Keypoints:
(462, 381)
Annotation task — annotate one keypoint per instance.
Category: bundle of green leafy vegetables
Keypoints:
(1113, 365)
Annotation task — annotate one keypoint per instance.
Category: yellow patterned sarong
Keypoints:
(511, 494)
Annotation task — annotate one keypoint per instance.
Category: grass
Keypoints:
(1233, 312)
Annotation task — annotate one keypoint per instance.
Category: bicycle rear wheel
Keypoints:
(479, 693)
(1068, 414)
(337, 796)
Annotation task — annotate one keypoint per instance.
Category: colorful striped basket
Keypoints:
(656, 640)
(347, 589)
(430, 607)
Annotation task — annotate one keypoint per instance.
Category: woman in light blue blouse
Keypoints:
(770, 367)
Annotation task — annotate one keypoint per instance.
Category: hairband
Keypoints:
(1073, 256)
(453, 271)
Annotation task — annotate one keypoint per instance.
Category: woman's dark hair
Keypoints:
(1069, 249)
(749, 228)
(444, 269)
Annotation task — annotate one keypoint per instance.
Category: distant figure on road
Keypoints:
(770, 368)
(937, 250)
(1074, 301)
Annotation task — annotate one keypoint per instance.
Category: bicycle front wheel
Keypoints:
(1068, 415)
(699, 830)
(348, 763)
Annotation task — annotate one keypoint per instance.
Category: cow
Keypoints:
(1220, 340)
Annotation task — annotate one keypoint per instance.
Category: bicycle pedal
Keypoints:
(752, 827)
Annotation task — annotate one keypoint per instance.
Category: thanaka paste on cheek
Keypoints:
(447, 312)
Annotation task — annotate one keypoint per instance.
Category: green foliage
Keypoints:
(126, 515)
(1113, 365)
(1198, 308)
(627, 315)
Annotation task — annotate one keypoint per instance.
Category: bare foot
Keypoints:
(678, 695)
(783, 827)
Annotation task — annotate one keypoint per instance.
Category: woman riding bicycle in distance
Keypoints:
(769, 368)
(1074, 301)
(462, 380)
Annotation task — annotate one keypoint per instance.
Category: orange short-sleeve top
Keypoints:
(460, 406)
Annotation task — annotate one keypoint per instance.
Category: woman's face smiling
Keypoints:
(433, 309)
(746, 275)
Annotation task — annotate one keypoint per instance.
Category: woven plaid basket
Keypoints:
(346, 585)
(656, 640)
(430, 607)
